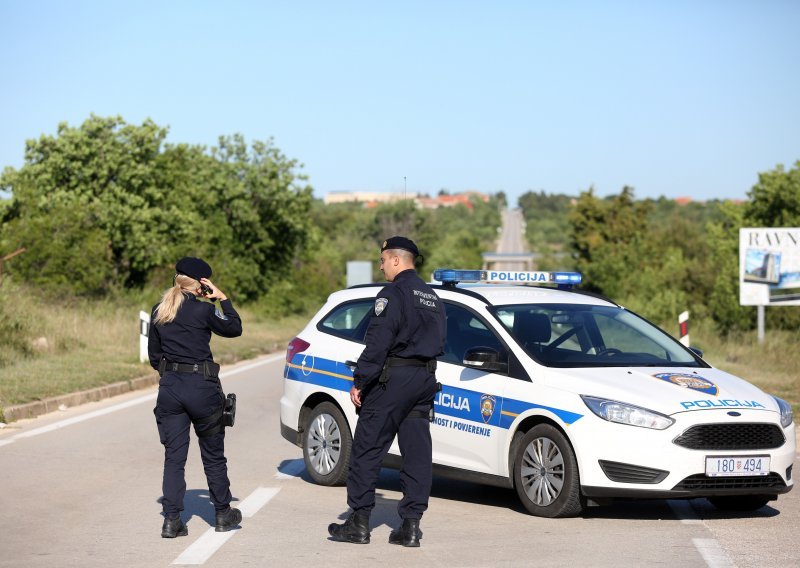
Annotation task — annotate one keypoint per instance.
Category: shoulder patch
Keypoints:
(219, 314)
(380, 305)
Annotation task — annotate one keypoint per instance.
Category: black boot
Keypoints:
(228, 519)
(173, 527)
(355, 529)
(408, 534)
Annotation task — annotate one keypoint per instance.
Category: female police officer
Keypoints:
(189, 390)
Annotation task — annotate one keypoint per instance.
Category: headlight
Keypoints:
(786, 411)
(629, 414)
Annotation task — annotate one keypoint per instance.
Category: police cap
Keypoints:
(196, 268)
(400, 243)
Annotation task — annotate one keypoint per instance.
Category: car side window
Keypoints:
(465, 330)
(349, 320)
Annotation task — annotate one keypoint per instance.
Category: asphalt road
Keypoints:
(82, 488)
(512, 235)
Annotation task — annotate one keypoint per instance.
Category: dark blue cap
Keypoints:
(400, 243)
(193, 267)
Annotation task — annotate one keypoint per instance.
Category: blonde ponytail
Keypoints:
(173, 298)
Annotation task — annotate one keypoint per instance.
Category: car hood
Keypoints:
(667, 390)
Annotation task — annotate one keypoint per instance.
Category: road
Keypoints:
(511, 250)
(512, 234)
(81, 488)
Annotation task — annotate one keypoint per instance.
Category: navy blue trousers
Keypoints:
(384, 414)
(183, 397)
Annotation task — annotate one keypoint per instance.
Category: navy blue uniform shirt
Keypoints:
(409, 321)
(187, 338)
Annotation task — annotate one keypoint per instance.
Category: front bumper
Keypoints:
(661, 469)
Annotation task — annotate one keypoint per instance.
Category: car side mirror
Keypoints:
(696, 351)
(484, 359)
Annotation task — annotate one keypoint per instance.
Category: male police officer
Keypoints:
(394, 386)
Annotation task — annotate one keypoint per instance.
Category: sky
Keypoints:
(674, 98)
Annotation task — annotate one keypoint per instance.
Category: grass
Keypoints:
(772, 365)
(81, 345)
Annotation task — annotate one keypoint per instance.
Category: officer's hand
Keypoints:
(355, 396)
(216, 293)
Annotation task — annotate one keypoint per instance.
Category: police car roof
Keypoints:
(493, 294)
(502, 294)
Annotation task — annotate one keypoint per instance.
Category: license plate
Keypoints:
(731, 466)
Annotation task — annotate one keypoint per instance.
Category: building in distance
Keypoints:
(373, 199)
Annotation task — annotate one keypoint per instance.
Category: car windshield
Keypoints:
(575, 335)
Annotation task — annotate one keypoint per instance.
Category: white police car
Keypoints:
(567, 397)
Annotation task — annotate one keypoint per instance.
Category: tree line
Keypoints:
(109, 206)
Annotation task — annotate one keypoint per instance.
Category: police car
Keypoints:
(567, 397)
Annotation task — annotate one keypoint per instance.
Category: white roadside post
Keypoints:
(683, 325)
(144, 332)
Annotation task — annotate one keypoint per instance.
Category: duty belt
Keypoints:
(411, 362)
(206, 368)
(429, 364)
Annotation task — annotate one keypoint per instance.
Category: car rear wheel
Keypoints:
(326, 445)
(740, 502)
(546, 473)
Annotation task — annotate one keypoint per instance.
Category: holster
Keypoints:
(225, 416)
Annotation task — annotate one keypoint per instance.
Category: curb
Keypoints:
(39, 407)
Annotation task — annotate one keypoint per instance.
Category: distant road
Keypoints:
(512, 238)
(512, 242)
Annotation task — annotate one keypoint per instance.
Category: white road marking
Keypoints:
(256, 500)
(211, 541)
(202, 549)
(685, 512)
(712, 553)
(244, 368)
(121, 406)
(77, 419)
(291, 470)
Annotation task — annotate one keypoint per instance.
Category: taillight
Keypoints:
(295, 346)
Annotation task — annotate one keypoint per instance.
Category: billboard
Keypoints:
(769, 266)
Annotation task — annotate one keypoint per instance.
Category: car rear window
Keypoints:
(348, 320)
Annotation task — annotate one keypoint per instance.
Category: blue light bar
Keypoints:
(454, 276)
(567, 277)
(449, 275)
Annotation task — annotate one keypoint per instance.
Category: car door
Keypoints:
(467, 430)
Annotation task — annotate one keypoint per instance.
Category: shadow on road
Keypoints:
(197, 503)
(488, 496)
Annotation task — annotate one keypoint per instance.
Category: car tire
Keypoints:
(326, 445)
(739, 502)
(546, 473)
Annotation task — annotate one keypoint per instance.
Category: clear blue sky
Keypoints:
(673, 97)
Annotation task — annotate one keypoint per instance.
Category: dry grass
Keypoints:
(89, 344)
(772, 365)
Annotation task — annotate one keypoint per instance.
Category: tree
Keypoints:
(239, 207)
(775, 199)
(622, 258)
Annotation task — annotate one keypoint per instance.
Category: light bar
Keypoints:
(454, 276)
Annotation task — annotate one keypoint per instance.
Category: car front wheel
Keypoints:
(326, 445)
(546, 473)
